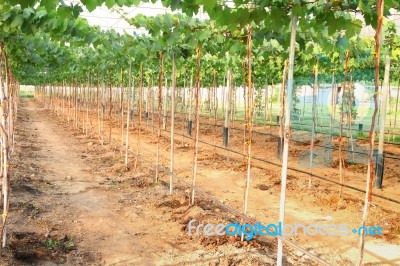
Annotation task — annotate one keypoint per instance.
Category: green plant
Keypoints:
(50, 243)
(362, 135)
(69, 244)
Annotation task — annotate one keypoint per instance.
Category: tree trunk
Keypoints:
(371, 136)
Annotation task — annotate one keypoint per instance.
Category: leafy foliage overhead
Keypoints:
(48, 42)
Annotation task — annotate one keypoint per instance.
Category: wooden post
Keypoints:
(197, 108)
(159, 114)
(287, 134)
(172, 151)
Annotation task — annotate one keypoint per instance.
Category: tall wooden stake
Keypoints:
(128, 115)
(282, 112)
(110, 113)
(197, 109)
(172, 124)
(313, 122)
(287, 134)
(249, 120)
(140, 105)
(160, 77)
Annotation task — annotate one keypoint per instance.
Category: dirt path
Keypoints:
(69, 207)
(74, 203)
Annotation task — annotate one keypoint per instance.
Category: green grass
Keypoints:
(51, 244)
(323, 120)
(26, 94)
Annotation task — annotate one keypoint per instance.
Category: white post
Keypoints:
(286, 134)
(172, 123)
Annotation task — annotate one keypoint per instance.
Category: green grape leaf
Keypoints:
(204, 35)
(64, 12)
(6, 27)
(235, 48)
(90, 4)
(64, 24)
(23, 3)
(175, 4)
(40, 13)
(208, 4)
(354, 28)
(17, 21)
(219, 38)
(110, 3)
(49, 4)
(28, 12)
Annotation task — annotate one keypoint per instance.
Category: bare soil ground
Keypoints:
(74, 203)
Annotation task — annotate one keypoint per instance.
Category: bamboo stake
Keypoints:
(249, 121)
(98, 103)
(110, 113)
(128, 116)
(341, 159)
(349, 117)
(396, 108)
(184, 111)
(333, 106)
(245, 105)
(152, 96)
(190, 115)
(103, 109)
(159, 114)
(140, 105)
(87, 106)
(5, 145)
(215, 106)
(287, 134)
(270, 107)
(121, 107)
(146, 98)
(164, 125)
(172, 151)
(313, 123)
(282, 112)
(197, 109)
(266, 106)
